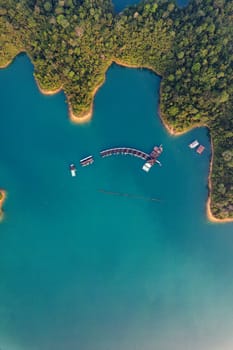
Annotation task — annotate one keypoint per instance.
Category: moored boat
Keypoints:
(193, 144)
(73, 170)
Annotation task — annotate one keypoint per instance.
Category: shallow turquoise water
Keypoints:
(84, 270)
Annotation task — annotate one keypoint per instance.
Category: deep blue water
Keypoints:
(119, 5)
(84, 270)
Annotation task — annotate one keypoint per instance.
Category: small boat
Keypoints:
(73, 170)
(200, 149)
(194, 144)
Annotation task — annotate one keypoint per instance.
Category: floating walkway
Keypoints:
(87, 161)
(125, 151)
(150, 158)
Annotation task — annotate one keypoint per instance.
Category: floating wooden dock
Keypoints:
(87, 161)
(150, 159)
(124, 151)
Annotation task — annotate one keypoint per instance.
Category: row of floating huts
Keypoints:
(150, 159)
(124, 151)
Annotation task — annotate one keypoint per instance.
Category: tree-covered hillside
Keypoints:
(198, 88)
(72, 43)
(69, 43)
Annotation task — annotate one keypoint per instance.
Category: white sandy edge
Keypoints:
(172, 132)
(82, 118)
(210, 216)
(87, 115)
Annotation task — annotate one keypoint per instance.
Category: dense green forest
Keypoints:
(73, 42)
(68, 42)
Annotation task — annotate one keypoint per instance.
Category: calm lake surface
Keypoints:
(80, 269)
(119, 5)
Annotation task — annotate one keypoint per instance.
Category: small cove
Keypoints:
(81, 269)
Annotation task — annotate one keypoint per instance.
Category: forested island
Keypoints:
(73, 42)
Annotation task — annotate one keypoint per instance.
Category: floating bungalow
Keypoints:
(87, 161)
(200, 149)
(194, 144)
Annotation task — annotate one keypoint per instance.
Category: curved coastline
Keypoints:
(210, 216)
(3, 192)
(6, 64)
(86, 117)
(48, 92)
(127, 65)
(2, 200)
(170, 130)
(83, 117)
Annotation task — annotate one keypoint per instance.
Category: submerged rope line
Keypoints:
(129, 195)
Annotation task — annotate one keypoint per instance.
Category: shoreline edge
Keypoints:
(86, 117)
(2, 200)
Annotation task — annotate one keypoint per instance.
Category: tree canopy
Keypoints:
(73, 42)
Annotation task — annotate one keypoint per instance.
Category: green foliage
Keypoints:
(202, 91)
(47, 6)
(144, 36)
(72, 43)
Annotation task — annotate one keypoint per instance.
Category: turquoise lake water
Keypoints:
(80, 269)
(119, 5)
